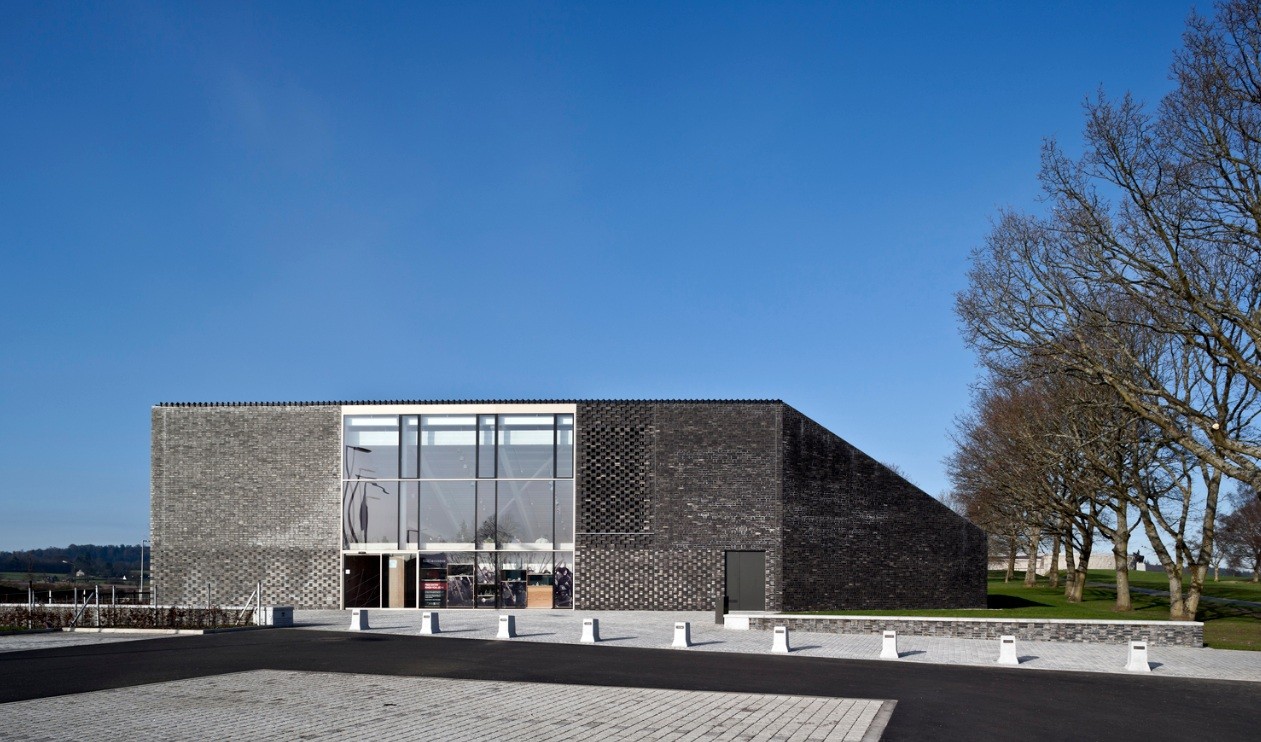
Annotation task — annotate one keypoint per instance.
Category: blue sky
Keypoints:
(298, 201)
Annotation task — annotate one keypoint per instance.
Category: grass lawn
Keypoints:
(1225, 627)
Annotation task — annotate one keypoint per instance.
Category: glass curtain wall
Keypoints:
(458, 511)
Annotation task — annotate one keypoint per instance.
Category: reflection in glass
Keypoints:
(409, 500)
(486, 446)
(564, 445)
(448, 446)
(525, 514)
(486, 531)
(526, 446)
(564, 514)
(411, 446)
(370, 515)
(371, 447)
(511, 581)
(361, 581)
(461, 568)
(487, 584)
(563, 581)
(447, 514)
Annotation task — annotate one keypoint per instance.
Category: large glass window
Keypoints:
(486, 446)
(448, 446)
(564, 514)
(487, 535)
(447, 514)
(525, 515)
(458, 510)
(371, 447)
(411, 447)
(370, 515)
(564, 445)
(526, 446)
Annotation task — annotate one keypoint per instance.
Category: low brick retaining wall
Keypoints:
(1156, 633)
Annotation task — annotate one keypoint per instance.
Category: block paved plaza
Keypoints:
(267, 705)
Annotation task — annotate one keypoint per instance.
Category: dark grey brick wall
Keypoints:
(1157, 633)
(242, 494)
(663, 489)
(858, 536)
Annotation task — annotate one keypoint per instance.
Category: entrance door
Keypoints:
(746, 580)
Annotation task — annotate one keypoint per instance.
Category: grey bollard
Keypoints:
(507, 627)
(889, 646)
(1007, 651)
(779, 644)
(1138, 657)
(590, 630)
(429, 623)
(359, 619)
(682, 635)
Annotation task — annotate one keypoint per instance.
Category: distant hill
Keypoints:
(92, 560)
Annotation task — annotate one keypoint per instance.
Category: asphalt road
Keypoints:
(934, 701)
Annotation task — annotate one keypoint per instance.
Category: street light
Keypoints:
(72, 569)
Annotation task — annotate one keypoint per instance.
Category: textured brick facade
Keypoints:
(858, 536)
(242, 494)
(1156, 633)
(663, 489)
(252, 492)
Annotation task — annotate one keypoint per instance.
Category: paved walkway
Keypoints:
(653, 629)
(25, 642)
(266, 705)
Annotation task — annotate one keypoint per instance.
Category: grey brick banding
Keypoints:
(243, 494)
(1157, 633)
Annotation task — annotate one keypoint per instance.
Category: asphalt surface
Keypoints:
(934, 701)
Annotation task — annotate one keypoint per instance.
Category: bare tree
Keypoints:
(1157, 226)
(1240, 534)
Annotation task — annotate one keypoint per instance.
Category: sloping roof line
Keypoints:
(338, 403)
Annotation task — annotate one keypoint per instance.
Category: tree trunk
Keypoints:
(1031, 564)
(1053, 572)
(1011, 558)
(1121, 558)
(1079, 574)
(1070, 563)
(1177, 607)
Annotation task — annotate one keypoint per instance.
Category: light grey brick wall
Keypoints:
(242, 494)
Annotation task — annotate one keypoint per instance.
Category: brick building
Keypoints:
(667, 505)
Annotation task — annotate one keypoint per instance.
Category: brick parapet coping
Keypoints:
(1156, 633)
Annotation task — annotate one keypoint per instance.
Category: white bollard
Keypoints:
(682, 635)
(359, 619)
(590, 630)
(889, 647)
(429, 623)
(779, 643)
(1138, 658)
(507, 627)
(1007, 651)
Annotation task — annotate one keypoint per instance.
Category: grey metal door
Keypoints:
(746, 580)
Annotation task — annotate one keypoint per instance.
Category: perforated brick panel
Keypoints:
(242, 494)
(615, 454)
(664, 489)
